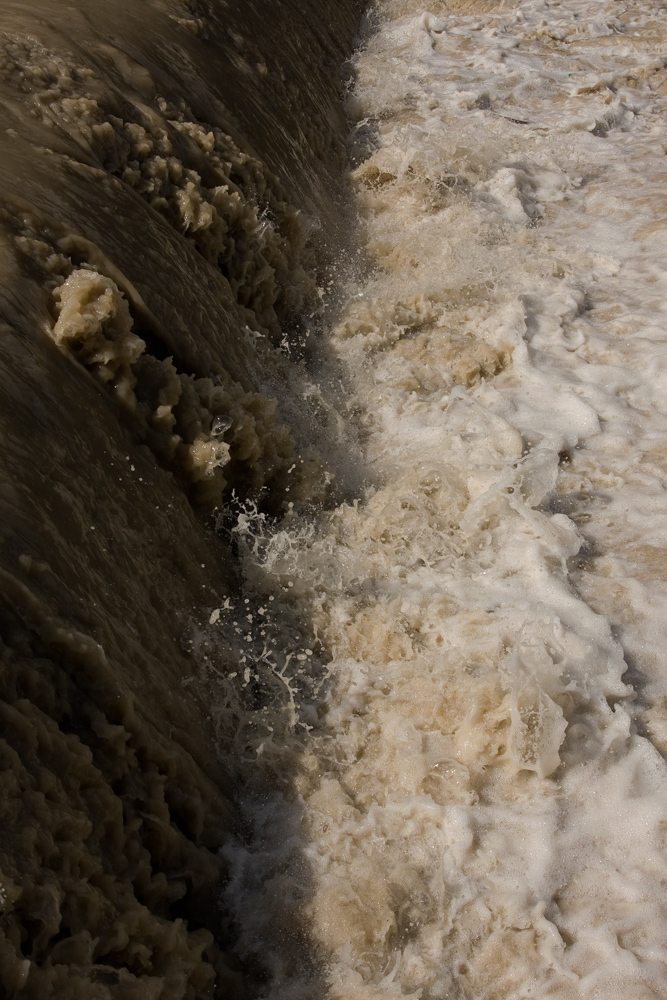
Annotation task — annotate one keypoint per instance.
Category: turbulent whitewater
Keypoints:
(480, 809)
(333, 500)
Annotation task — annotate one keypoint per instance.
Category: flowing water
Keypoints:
(333, 517)
(480, 809)
(170, 199)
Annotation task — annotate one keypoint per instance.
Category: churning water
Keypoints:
(480, 809)
(333, 567)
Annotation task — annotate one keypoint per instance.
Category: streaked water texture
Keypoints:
(170, 202)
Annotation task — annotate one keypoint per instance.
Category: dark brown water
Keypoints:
(170, 198)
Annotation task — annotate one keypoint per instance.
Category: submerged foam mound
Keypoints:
(169, 202)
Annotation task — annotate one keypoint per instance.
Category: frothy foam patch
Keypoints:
(486, 816)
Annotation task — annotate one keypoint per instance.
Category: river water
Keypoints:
(170, 198)
(333, 500)
(480, 807)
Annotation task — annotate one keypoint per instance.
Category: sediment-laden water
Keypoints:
(333, 501)
(480, 808)
(170, 201)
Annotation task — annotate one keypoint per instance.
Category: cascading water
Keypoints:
(333, 620)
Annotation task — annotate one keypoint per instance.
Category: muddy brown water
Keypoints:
(170, 196)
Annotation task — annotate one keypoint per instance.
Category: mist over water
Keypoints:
(333, 501)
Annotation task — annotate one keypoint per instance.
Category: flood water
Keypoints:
(334, 501)
(483, 792)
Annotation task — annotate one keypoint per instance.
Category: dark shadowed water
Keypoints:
(170, 196)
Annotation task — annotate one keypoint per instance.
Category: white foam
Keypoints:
(487, 814)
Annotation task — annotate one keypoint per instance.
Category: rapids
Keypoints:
(481, 806)
(333, 500)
